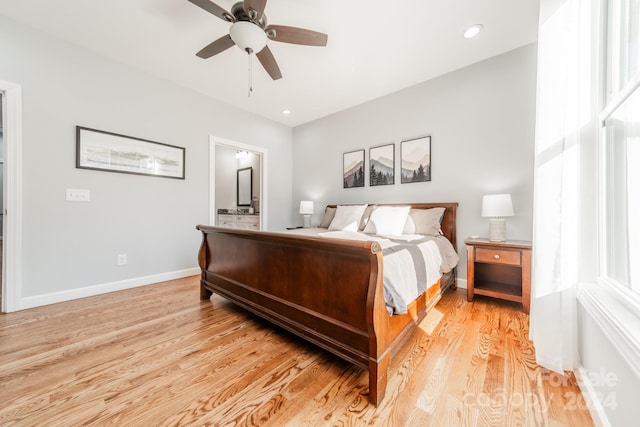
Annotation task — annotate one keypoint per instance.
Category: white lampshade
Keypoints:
(497, 205)
(248, 36)
(306, 207)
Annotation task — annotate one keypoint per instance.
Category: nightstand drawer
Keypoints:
(498, 256)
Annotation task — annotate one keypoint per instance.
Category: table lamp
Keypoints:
(497, 206)
(306, 210)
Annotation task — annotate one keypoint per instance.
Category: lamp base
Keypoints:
(497, 230)
(306, 221)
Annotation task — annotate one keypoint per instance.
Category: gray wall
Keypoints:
(69, 245)
(481, 120)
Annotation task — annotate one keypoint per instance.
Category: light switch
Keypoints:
(78, 195)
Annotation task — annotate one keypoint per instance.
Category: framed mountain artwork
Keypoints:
(382, 165)
(415, 155)
(353, 169)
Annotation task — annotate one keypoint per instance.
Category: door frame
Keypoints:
(12, 197)
(213, 142)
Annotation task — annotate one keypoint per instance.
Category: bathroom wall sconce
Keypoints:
(242, 154)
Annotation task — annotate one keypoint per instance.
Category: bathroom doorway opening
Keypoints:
(226, 157)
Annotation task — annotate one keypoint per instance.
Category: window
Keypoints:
(623, 44)
(622, 193)
(620, 167)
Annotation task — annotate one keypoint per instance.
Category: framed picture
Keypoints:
(416, 160)
(106, 151)
(382, 165)
(353, 169)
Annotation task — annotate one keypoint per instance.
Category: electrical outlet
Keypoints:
(78, 195)
(122, 259)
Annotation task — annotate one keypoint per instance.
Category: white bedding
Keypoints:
(411, 262)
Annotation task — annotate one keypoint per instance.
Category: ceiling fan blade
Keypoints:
(214, 48)
(214, 9)
(256, 7)
(269, 63)
(285, 34)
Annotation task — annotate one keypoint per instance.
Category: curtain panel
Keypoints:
(564, 123)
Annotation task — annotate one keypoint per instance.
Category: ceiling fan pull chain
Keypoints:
(250, 76)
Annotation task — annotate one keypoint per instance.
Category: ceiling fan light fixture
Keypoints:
(250, 32)
(248, 37)
(473, 31)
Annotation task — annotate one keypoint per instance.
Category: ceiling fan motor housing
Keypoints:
(241, 15)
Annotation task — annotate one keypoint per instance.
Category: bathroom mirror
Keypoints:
(245, 186)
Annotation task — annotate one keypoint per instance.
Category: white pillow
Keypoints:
(424, 221)
(347, 218)
(387, 220)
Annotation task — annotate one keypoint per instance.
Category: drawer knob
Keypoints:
(496, 256)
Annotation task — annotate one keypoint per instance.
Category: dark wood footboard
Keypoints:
(306, 285)
(328, 291)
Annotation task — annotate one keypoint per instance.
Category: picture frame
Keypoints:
(382, 160)
(112, 152)
(415, 156)
(353, 169)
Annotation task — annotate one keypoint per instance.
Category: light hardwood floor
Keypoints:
(156, 355)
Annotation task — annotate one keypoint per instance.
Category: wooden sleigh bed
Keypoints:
(327, 291)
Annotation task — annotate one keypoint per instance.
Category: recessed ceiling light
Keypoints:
(473, 31)
(286, 111)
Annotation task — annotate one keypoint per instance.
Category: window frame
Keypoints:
(612, 97)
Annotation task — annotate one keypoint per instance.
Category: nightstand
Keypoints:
(499, 270)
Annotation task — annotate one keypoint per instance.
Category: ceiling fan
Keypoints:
(249, 31)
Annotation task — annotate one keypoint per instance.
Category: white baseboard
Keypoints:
(89, 291)
(590, 395)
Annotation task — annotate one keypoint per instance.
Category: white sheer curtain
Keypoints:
(564, 114)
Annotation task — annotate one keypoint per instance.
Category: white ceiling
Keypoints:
(375, 47)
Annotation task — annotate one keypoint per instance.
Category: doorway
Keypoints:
(11, 259)
(218, 189)
(1, 189)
